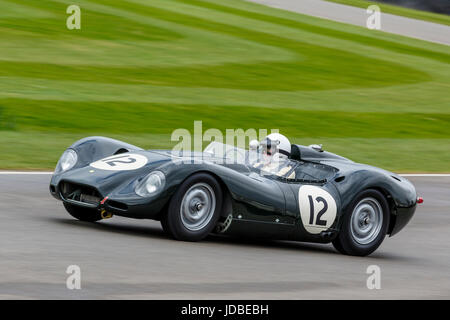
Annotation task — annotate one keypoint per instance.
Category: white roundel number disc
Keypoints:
(317, 208)
(121, 162)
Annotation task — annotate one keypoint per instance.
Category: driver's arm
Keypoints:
(284, 171)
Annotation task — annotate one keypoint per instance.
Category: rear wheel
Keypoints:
(194, 208)
(83, 214)
(365, 224)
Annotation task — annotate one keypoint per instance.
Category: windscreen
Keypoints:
(256, 160)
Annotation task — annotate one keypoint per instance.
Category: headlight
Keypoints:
(151, 184)
(67, 161)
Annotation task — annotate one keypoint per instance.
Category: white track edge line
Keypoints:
(425, 175)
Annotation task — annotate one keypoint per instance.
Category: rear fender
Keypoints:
(399, 192)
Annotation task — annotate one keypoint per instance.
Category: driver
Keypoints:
(275, 151)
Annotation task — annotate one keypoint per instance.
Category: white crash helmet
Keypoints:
(277, 143)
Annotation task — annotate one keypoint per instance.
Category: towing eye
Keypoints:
(103, 213)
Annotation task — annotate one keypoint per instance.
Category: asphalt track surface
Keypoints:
(352, 15)
(133, 259)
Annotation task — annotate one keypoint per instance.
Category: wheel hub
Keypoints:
(198, 206)
(366, 221)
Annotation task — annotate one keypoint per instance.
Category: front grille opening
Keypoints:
(80, 193)
(117, 205)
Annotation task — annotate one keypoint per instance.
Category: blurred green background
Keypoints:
(139, 69)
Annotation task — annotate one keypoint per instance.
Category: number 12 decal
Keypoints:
(317, 208)
(119, 159)
(321, 212)
(121, 162)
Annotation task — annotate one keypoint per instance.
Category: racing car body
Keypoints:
(322, 197)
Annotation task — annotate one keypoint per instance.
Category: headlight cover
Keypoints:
(151, 184)
(67, 161)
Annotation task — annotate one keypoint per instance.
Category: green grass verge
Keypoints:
(137, 70)
(40, 151)
(399, 11)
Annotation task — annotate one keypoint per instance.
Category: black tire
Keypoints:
(83, 214)
(174, 222)
(347, 242)
(164, 224)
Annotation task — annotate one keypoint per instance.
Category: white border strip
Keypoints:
(49, 173)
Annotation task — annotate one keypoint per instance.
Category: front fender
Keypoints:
(91, 149)
(177, 171)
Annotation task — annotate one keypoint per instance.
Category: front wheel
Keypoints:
(365, 224)
(83, 214)
(194, 208)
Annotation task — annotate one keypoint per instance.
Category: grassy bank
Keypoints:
(139, 69)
